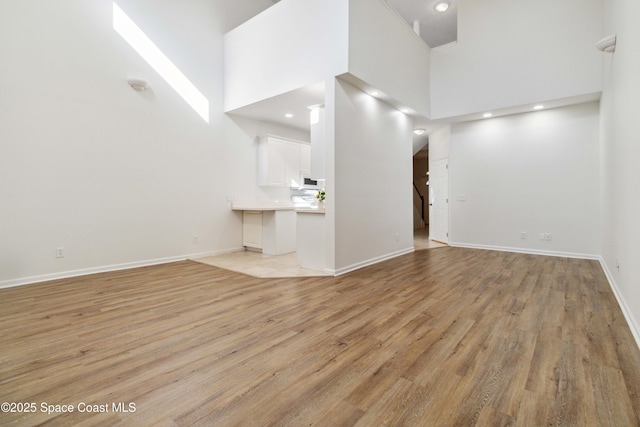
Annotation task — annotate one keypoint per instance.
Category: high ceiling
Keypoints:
(290, 109)
(435, 28)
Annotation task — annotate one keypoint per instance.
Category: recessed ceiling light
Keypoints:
(538, 107)
(374, 93)
(441, 7)
(288, 115)
(418, 131)
(487, 115)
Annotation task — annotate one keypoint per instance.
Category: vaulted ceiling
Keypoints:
(290, 109)
(436, 28)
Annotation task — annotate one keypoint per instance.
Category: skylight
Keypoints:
(159, 62)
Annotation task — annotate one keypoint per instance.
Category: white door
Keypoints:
(439, 201)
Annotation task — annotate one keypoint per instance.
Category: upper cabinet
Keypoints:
(305, 159)
(282, 162)
(317, 135)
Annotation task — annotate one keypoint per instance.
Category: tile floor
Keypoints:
(256, 264)
(421, 240)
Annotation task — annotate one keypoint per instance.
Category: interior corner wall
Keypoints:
(330, 172)
(118, 178)
(385, 53)
(620, 157)
(512, 53)
(292, 44)
(373, 175)
(535, 173)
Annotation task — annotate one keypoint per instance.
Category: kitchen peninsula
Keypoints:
(269, 228)
(277, 229)
(311, 240)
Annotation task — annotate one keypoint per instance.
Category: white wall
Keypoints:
(116, 177)
(512, 53)
(536, 172)
(439, 143)
(296, 43)
(371, 185)
(292, 44)
(620, 157)
(386, 53)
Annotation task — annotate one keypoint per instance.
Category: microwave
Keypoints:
(311, 183)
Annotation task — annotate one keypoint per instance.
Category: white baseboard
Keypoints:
(628, 315)
(525, 251)
(215, 253)
(372, 261)
(106, 268)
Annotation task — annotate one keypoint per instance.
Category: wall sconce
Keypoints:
(607, 44)
(138, 85)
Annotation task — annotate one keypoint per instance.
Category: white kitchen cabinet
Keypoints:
(268, 229)
(252, 229)
(279, 161)
(291, 155)
(318, 145)
(305, 159)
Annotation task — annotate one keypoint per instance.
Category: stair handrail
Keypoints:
(421, 200)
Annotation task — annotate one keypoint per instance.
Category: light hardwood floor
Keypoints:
(442, 337)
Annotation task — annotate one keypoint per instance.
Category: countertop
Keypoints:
(248, 206)
(266, 206)
(310, 210)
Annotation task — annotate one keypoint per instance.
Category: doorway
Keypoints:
(421, 223)
(421, 190)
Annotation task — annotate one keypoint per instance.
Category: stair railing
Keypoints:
(421, 201)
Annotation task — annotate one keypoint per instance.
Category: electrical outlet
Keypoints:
(60, 252)
(547, 236)
(523, 235)
(618, 265)
(541, 236)
(195, 239)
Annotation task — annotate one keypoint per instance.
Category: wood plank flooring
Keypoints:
(441, 337)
